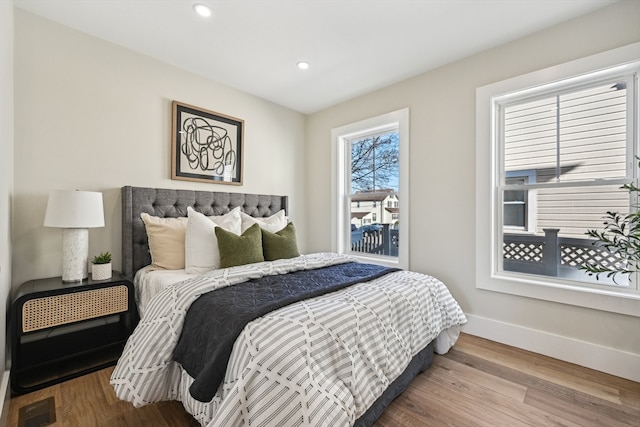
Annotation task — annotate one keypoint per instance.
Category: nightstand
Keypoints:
(63, 330)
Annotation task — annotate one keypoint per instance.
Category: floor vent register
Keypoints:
(37, 414)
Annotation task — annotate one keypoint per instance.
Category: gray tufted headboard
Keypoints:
(173, 203)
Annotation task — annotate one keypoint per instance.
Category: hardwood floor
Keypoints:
(483, 383)
(478, 383)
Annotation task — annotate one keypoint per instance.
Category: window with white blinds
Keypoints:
(576, 139)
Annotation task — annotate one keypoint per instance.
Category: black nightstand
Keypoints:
(63, 330)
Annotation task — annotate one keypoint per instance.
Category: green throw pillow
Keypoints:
(280, 245)
(239, 250)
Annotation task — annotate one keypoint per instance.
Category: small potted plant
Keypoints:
(101, 266)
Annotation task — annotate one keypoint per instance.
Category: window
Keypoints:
(371, 166)
(554, 148)
(515, 204)
(519, 206)
(574, 138)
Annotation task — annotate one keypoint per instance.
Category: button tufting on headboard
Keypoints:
(173, 203)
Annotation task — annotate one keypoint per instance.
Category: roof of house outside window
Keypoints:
(372, 196)
(359, 215)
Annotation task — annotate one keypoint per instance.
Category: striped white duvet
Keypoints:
(318, 362)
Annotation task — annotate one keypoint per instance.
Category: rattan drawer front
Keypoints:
(47, 312)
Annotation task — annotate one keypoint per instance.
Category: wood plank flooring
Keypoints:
(478, 383)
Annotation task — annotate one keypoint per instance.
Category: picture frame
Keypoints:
(206, 146)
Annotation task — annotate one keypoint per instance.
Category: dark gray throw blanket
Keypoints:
(217, 318)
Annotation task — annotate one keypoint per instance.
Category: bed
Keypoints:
(337, 355)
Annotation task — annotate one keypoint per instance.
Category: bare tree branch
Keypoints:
(374, 162)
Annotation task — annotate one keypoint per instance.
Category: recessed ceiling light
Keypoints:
(202, 10)
(303, 65)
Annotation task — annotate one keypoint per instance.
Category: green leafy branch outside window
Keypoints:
(620, 237)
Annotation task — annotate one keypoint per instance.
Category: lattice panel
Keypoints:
(577, 256)
(56, 310)
(520, 251)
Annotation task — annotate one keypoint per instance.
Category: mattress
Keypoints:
(150, 281)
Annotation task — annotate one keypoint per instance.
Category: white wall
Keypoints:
(442, 176)
(91, 115)
(6, 177)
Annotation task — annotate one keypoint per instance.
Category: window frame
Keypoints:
(340, 137)
(489, 217)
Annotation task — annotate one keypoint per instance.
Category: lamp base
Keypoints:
(75, 254)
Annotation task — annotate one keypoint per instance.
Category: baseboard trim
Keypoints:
(615, 362)
(5, 397)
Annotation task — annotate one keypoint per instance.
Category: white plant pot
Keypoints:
(101, 271)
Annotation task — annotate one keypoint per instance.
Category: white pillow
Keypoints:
(201, 245)
(274, 223)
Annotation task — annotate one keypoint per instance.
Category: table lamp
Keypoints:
(76, 212)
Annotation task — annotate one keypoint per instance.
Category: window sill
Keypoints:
(627, 302)
(380, 260)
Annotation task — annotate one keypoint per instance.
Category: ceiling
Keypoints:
(353, 46)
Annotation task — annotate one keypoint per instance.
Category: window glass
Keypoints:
(572, 136)
(374, 178)
(515, 208)
(564, 154)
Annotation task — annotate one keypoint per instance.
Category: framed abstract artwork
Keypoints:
(206, 146)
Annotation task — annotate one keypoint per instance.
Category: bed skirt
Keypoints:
(420, 363)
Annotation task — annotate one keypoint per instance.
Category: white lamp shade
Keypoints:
(74, 209)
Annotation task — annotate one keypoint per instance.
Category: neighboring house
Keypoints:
(374, 207)
(565, 154)
(561, 140)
